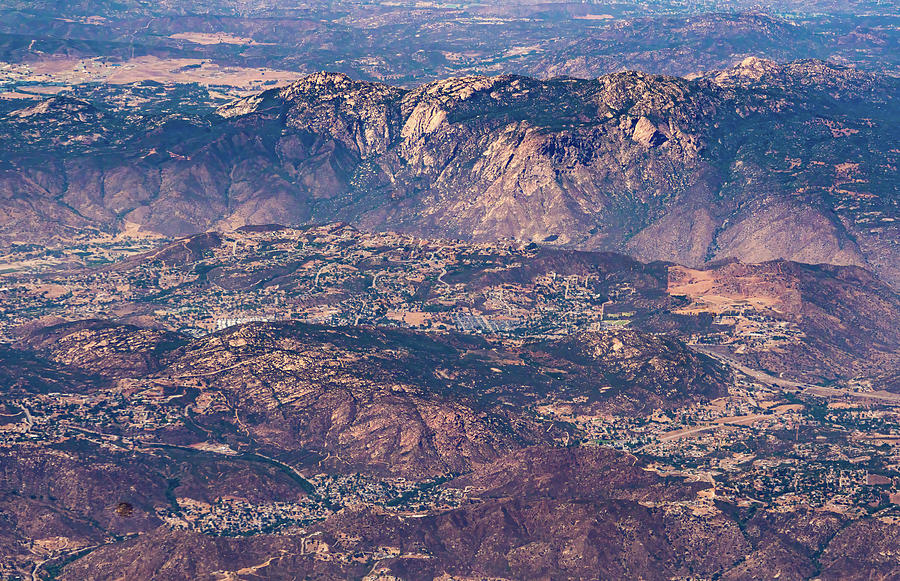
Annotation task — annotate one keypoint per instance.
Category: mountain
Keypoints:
(408, 43)
(759, 162)
(285, 449)
(108, 349)
(384, 400)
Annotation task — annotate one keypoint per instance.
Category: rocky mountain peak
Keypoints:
(456, 89)
(62, 107)
(317, 88)
(755, 67)
(804, 76)
(751, 69)
(364, 117)
(327, 85)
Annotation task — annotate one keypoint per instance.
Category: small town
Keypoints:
(336, 275)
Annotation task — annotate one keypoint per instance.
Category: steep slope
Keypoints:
(846, 315)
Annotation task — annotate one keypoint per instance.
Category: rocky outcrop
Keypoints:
(647, 134)
(60, 109)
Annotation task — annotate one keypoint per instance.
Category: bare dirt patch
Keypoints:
(76, 71)
(217, 38)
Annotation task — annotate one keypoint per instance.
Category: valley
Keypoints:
(290, 385)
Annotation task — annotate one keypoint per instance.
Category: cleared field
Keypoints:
(714, 291)
(217, 38)
(76, 71)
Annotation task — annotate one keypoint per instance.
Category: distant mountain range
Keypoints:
(758, 162)
(410, 43)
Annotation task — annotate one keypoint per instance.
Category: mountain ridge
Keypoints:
(759, 162)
